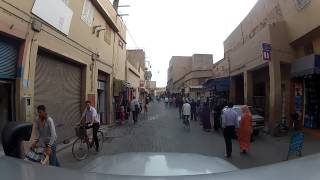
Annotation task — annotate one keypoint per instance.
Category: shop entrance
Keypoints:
(6, 104)
(312, 102)
(103, 97)
(9, 50)
(239, 99)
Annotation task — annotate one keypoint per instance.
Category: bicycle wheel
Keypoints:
(80, 149)
(100, 139)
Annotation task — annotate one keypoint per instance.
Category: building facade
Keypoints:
(277, 81)
(136, 71)
(186, 74)
(59, 54)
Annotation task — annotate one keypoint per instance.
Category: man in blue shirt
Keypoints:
(229, 124)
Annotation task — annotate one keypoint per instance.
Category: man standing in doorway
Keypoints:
(92, 120)
(135, 109)
(229, 124)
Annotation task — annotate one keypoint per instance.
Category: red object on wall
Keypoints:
(92, 98)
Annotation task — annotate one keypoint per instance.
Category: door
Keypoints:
(6, 104)
(101, 105)
(58, 87)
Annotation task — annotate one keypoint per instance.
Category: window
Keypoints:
(107, 35)
(87, 12)
(300, 4)
(308, 49)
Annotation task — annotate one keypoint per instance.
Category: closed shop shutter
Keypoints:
(58, 87)
(8, 58)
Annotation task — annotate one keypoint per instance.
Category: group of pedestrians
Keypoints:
(191, 110)
(231, 126)
(136, 107)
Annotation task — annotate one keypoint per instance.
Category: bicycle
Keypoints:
(82, 145)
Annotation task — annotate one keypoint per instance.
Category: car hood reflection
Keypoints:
(158, 164)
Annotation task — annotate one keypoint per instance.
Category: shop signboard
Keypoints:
(266, 51)
(54, 12)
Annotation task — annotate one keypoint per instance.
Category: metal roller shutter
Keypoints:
(58, 87)
(8, 58)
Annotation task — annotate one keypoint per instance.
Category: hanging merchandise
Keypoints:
(311, 119)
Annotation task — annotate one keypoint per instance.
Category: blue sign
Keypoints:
(266, 51)
(266, 47)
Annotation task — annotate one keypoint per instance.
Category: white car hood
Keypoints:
(158, 164)
(303, 168)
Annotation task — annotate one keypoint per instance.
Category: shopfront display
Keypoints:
(312, 102)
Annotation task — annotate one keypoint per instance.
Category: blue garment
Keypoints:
(53, 157)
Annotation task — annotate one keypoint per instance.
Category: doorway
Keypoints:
(6, 104)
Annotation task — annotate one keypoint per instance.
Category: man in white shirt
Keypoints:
(186, 111)
(92, 120)
(135, 109)
(166, 99)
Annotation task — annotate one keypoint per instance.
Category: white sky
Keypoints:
(165, 28)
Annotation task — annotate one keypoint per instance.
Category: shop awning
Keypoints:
(218, 84)
(307, 65)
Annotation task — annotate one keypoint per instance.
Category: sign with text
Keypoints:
(54, 12)
(266, 51)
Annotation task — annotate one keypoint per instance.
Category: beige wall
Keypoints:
(263, 13)
(300, 22)
(179, 66)
(220, 69)
(136, 57)
(188, 70)
(79, 46)
(202, 62)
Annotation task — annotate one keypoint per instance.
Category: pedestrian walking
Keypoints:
(229, 125)
(146, 102)
(198, 110)
(186, 111)
(193, 110)
(122, 115)
(205, 117)
(135, 109)
(245, 130)
(45, 135)
(92, 120)
(166, 101)
(180, 104)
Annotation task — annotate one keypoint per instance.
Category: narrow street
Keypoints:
(162, 131)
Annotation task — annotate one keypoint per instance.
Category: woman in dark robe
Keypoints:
(205, 117)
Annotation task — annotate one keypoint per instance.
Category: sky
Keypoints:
(166, 28)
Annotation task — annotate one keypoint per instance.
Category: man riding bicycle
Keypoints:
(92, 120)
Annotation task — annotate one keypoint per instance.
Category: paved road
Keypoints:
(162, 131)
